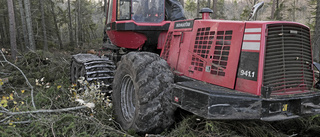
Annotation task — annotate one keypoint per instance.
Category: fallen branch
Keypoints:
(43, 111)
(4, 108)
(51, 126)
(18, 122)
(28, 83)
(5, 119)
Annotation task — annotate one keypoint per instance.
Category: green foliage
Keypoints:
(89, 25)
(190, 6)
(312, 22)
(245, 13)
(220, 9)
(40, 64)
(53, 94)
(278, 13)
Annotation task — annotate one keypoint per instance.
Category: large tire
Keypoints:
(141, 93)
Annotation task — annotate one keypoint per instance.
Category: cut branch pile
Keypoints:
(50, 102)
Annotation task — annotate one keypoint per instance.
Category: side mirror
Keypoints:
(254, 11)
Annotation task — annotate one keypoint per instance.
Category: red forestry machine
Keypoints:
(157, 60)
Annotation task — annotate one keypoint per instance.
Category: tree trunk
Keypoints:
(70, 24)
(23, 24)
(294, 11)
(12, 27)
(316, 39)
(1, 35)
(76, 29)
(209, 3)
(198, 8)
(56, 24)
(18, 29)
(4, 28)
(79, 24)
(215, 9)
(44, 31)
(273, 9)
(2, 32)
(93, 33)
(29, 25)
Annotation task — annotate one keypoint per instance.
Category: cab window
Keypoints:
(148, 10)
(123, 10)
(109, 12)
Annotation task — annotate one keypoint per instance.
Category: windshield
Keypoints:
(148, 10)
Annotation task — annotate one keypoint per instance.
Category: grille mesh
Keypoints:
(166, 49)
(203, 42)
(202, 46)
(288, 58)
(221, 53)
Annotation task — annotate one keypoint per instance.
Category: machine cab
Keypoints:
(138, 11)
(140, 24)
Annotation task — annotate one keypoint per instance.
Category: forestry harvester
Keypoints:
(157, 60)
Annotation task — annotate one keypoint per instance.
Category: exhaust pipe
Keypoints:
(206, 13)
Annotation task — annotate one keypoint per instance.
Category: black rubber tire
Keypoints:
(152, 80)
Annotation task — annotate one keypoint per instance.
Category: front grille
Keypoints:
(288, 59)
(202, 47)
(204, 43)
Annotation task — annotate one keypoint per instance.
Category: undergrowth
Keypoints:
(49, 75)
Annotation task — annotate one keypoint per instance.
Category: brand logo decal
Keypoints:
(183, 25)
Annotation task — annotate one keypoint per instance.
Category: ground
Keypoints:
(48, 73)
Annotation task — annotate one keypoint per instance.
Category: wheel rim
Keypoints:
(127, 98)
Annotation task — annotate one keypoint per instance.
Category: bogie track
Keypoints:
(93, 68)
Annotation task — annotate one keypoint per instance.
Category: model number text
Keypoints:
(247, 73)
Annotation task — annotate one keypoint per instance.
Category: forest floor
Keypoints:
(49, 76)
